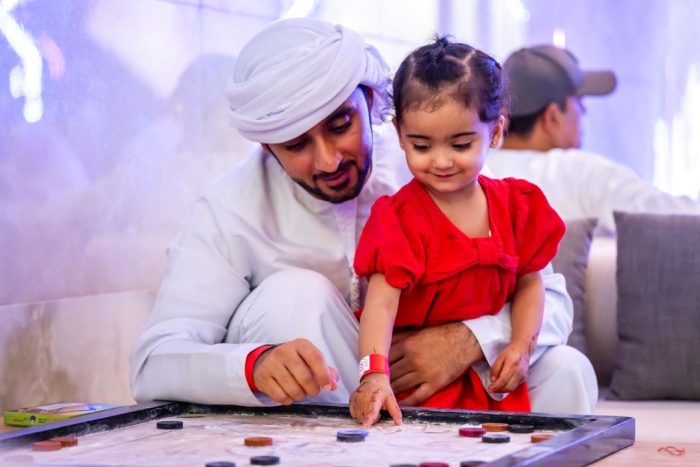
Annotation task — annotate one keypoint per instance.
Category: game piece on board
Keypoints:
(403, 465)
(490, 427)
(470, 463)
(521, 428)
(258, 441)
(46, 446)
(350, 437)
(169, 424)
(264, 460)
(220, 464)
(433, 464)
(539, 437)
(354, 431)
(66, 441)
(495, 438)
(472, 432)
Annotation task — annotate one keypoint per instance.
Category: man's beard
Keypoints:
(345, 191)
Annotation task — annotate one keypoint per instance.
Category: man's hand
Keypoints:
(293, 371)
(431, 358)
(510, 368)
(373, 394)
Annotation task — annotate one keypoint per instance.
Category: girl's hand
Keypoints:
(373, 394)
(510, 368)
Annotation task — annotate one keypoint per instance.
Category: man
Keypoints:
(544, 136)
(257, 304)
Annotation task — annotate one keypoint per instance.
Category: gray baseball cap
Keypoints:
(543, 74)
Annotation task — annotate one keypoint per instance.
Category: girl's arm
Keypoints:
(378, 316)
(527, 310)
(511, 365)
(376, 325)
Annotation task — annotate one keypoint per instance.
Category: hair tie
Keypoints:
(437, 55)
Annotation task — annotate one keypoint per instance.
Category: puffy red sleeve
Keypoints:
(537, 226)
(390, 247)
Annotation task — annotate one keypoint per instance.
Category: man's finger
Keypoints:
(401, 335)
(421, 393)
(301, 374)
(335, 377)
(406, 381)
(396, 351)
(289, 384)
(275, 391)
(315, 361)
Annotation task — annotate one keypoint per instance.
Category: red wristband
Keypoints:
(250, 365)
(374, 363)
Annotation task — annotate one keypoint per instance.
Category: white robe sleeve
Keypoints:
(181, 354)
(493, 331)
(607, 187)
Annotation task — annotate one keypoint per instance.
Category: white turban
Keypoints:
(295, 73)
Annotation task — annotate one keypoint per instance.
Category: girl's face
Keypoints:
(446, 146)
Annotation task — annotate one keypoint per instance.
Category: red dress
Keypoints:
(446, 276)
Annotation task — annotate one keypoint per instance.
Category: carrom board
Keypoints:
(305, 435)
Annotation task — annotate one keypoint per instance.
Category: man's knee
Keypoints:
(563, 380)
(289, 304)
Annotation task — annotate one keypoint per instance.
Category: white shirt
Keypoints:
(252, 222)
(580, 184)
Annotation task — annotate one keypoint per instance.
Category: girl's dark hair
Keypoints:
(467, 74)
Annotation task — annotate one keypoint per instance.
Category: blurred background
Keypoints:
(113, 118)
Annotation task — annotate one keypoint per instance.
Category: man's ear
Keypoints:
(551, 119)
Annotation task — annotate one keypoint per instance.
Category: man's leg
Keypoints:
(563, 381)
(301, 303)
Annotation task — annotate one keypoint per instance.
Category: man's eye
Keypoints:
(298, 146)
(341, 128)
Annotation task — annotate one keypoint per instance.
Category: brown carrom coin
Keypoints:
(47, 446)
(257, 441)
(491, 427)
(539, 437)
(66, 441)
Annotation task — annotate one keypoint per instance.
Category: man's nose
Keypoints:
(326, 157)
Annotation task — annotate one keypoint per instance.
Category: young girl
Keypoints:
(452, 244)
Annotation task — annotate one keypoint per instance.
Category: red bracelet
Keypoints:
(250, 365)
(374, 363)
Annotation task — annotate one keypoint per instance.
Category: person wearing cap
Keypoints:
(257, 304)
(543, 140)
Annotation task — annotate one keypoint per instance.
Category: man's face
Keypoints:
(333, 159)
(570, 131)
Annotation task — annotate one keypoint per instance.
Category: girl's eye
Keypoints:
(421, 147)
(461, 147)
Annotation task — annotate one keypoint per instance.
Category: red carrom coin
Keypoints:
(491, 427)
(539, 437)
(66, 441)
(257, 441)
(471, 432)
(434, 464)
(47, 446)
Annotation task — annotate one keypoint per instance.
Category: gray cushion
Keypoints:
(572, 262)
(658, 284)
